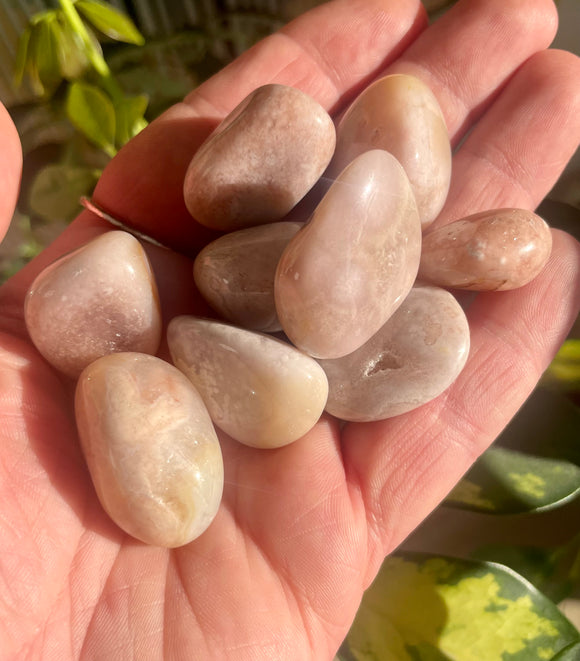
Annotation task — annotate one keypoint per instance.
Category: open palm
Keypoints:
(302, 529)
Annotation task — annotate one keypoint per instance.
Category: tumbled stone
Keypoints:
(493, 250)
(400, 114)
(151, 448)
(99, 299)
(261, 160)
(235, 274)
(258, 389)
(413, 358)
(350, 267)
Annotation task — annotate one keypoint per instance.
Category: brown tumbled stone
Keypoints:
(350, 267)
(492, 250)
(400, 114)
(99, 299)
(235, 274)
(151, 448)
(261, 160)
(413, 358)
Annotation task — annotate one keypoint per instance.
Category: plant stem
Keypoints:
(94, 56)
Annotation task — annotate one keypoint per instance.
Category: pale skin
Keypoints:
(302, 530)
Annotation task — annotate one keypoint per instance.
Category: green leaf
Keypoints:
(43, 53)
(571, 653)
(72, 59)
(565, 368)
(110, 21)
(21, 56)
(57, 188)
(93, 113)
(431, 608)
(130, 117)
(505, 481)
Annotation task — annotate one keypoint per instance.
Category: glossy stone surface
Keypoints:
(344, 274)
(151, 448)
(492, 250)
(235, 274)
(99, 299)
(414, 357)
(261, 160)
(400, 114)
(259, 390)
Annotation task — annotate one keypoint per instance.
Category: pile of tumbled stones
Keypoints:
(348, 312)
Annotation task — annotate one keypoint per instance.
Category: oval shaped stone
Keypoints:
(350, 267)
(101, 298)
(235, 274)
(151, 448)
(259, 390)
(261, 160)
(400, 114)
(413, 358)
(493, 250)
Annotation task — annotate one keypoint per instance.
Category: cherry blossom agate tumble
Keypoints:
(400, 114)
(259, 390)
(413, 358)
(99, 299)
(261, 160)
(150, 446)
(492, 250)
(235, 274)
(349, 268)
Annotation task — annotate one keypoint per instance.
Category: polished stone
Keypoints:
(400, 114)
(350, 267)
(258, 389)
(235, 274)
(261, 160)
(493, 250)
(99, 299)
(413, 358)
(151, 448)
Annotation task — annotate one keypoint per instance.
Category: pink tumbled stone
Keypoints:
(350, 267)
(235, 274)
(151, 448)
(261, 160)
(492, 250)
(101, 298)
(400, 114)
(412, 359)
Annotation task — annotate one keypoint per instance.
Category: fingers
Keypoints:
(517, 151)
(10, 169)
(326, 52)
(406, 465)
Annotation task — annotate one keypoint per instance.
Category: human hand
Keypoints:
(302, 530)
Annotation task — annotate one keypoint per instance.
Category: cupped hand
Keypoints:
(303, 529)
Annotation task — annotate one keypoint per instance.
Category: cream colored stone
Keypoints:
(99, 299)
(413, 358)
(150, 446)
(400, 114)
(261, 160)
(493, 250)
(235, 274)
(259, 390)
(344, 274)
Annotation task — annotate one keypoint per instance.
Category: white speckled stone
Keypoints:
(259, 390)
(413, 358)
(99, 299)
(350, 267)
(151, 448)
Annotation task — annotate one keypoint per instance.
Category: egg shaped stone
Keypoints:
(235, 274)
(412, 359)
(349, 268)
(493, 250)
(261, 391)
(101, 298)
(400, 114)
(151, 448)
(261, 160)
